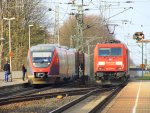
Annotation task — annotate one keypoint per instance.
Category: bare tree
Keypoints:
(93, 27)
(25, 12)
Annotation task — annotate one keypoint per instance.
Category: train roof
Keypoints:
(42, 47)
(111, 45)
(48, 47)
(110, 41)
(56, 45)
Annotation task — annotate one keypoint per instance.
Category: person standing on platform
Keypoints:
(7, 71)
(24, 70)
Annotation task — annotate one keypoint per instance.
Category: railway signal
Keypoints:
(142, 66)
(138, 36)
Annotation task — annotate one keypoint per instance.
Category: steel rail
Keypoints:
(103, 103)
(22, 92)
(26, 90)
(74, 102)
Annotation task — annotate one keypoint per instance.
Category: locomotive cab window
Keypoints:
(104, 51)
(41, 59)
(116, 52)
(109, 52)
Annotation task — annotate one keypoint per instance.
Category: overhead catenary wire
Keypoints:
(95, 5)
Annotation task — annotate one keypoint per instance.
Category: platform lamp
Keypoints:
(30, 34)
(1, 52)
(10, 50)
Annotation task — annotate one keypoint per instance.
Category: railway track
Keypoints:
(4, 101)
(23, 92)
(5, 90)
(26, 90)
(91, 102)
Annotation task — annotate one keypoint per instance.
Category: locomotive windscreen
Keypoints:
(41, 59)
(109, 51)
(41, 55)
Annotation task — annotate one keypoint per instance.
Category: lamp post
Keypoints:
(30, 35)
(56, 30)
(10, 52)
(1, 52)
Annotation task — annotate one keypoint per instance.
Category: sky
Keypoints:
(129, 16)
(137, 21)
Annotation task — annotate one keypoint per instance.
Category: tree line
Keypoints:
(27, 12)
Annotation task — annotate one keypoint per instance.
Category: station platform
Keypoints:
(16, 79)
(133, 98)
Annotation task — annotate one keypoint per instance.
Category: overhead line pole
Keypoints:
(82, 23)
(57, 24)
(79, 18)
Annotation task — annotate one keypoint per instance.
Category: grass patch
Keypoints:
(143, 78)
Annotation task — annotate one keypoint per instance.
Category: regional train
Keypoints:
(111, 62)
(50, 63)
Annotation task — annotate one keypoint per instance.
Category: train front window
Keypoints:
(109, 52)
(104, 52)
(116, 52)
(41, 57)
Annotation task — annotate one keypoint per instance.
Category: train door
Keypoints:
(61, 62)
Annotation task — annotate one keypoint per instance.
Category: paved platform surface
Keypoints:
(134, 98)
(16, 79)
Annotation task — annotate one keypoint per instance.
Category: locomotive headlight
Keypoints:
(34, 64)
(118, 63)
(101, 63)
(100, 68)
(38, 74)
(119, 68)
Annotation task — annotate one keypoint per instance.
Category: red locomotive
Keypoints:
(49, 63)
(111, 62)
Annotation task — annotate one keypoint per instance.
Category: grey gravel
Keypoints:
(36, 106)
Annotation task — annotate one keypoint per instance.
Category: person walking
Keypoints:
(23, 72)
(7, 71)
